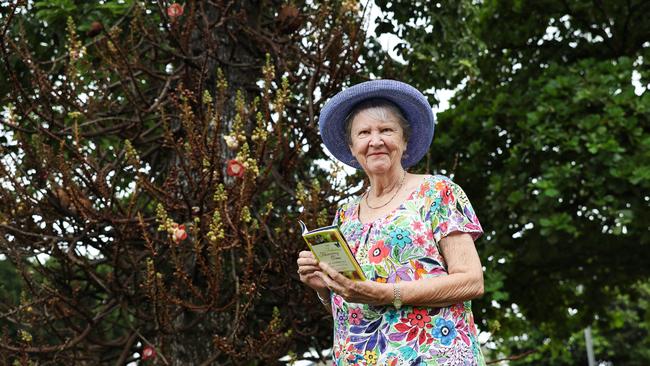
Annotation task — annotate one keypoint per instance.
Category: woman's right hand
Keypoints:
(308, 270)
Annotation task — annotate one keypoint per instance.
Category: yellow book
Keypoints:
(329, 245)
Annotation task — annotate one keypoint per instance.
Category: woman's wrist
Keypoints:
(397, 296)
(324, 297)
(391, 292)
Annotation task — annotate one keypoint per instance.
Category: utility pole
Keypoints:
(590, 347)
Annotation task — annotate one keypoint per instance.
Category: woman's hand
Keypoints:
(309, 271)
(360, 292)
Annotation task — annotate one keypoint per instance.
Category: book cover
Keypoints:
(329, 245)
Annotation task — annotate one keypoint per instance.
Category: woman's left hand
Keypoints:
(361, 292)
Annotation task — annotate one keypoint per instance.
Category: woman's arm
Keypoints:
(464, 281)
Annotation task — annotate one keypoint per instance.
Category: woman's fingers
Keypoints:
(307, 265)
(309, 271)
(352, 291)
(331, 284)
(305, 270)
(334, 274)
(306, 254)
(335, 281)
(307, 262)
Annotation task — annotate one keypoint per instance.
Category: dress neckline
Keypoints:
(391, 212)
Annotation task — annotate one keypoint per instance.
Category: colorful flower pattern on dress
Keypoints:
(400, 237)
(378, 252)
(403, 246)
(445, 331)
(356, 316)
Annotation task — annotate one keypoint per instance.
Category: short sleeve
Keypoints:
(337, 217)
(340, 216)
(451, 211)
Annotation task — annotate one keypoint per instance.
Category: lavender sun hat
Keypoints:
(410, 101)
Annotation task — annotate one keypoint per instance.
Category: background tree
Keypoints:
(551, 141)
(123, 125)
(155, 156)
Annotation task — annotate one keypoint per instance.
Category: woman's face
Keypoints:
(377, 145)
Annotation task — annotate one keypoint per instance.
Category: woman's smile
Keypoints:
(377, 145)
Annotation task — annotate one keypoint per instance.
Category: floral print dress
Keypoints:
(403, 246)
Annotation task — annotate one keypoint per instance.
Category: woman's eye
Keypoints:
(364, 132)
(386, 130)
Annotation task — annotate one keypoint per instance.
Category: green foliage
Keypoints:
(45, 28)
(563, 188)
(550, 141)
(620, 337)
(438, 42)
(10, 285)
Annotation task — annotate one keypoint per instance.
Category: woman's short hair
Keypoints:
(380, 109)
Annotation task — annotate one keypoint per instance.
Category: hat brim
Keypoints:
(412, 103)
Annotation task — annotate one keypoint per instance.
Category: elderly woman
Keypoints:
(413, 236)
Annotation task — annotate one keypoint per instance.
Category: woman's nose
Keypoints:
(375, 139)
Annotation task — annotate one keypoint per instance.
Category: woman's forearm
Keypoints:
(442, 290)
(463, 282)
